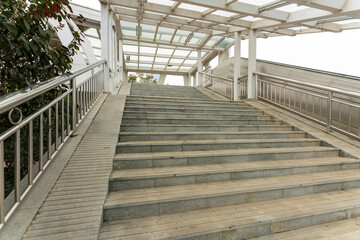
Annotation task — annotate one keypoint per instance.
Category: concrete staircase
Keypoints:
(189, 167)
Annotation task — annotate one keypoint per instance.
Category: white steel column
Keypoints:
(193, 80)
(252, 64)
(237, 63)
(162, 79)
(199, 70)
(186, 80)
(121, 62)
(105, 43)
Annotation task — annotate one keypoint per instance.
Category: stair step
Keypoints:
(194, 110)
(198, 121)
(203, 145)
(187, 106)
(163, 200)
(146, 97)
(240, 221)
(340, 230)
(175, 115)
(157, 136)
(186, 102)
(126, 179)
(165, 159)
(205, 128)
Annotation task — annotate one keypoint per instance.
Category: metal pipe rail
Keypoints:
(337, 109)
(53, 124)
(224, 86)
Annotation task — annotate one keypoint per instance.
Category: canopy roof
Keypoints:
(164, 35)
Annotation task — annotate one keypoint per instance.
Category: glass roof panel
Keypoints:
(175, 60)
(181, 52)
(197, 38)
(147, 50)
(184, 68)
(212, 41)
(190, 62)
(223, 13)
(148, 31)
(145, 65)
(128, 28)
(159, 66)
(131, 65)
(226, 42)
(292, 8)
(161, 60)
(148, 59)
(165, 51)
(251, 18)
(180, 36)
(164, 34)
(171, 67)
(129, 48)
(256, 2)
(193, 7)
(162, 2)
(193, 54)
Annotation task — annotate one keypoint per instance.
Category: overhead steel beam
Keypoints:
(169, 72)
(334, 6)
(158, 55)
(159, 63)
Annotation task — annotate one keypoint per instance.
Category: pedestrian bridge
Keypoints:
(251, 149)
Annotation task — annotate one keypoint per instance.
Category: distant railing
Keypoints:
(337, 109)
(52, 124)
(224, 86)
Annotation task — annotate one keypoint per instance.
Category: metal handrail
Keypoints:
(313, 85)
(7, 102)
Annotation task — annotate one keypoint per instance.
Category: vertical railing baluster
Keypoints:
(313, 106)
(49, 135)
(339, 120)
(349, 126)
(329, 109)
(320, 109)
(41, 143)
(2, 183)
(56, 126)
(62, 120)
(17, 166)
(68, 124)
(74, 110)
(81, 105)
(30, 153)
(300, 105)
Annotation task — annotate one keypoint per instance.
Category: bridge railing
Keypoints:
(224, 86)
(33, 142)
(337, 109)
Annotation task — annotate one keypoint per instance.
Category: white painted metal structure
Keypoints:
(179, 37)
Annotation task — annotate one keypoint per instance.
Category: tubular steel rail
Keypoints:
(337, 109)
(55, 123)
(224, 86)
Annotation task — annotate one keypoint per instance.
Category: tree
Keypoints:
(143, 78)
(29, 51)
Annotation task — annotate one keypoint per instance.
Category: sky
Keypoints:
(334, 52)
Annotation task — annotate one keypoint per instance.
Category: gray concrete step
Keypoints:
(151, 98)
(188, 105)
(204, 145)
(186, 101)
(164, 200)
(171, 136)
(175, 115)
(192, 110)
(205, 128)
(126, 179)
(198, 121)
(165, 159)
(241, 221)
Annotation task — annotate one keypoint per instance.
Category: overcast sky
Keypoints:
(335, 52)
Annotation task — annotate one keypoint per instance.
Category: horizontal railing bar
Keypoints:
(321, 87)
(7, 102)
(27, 120)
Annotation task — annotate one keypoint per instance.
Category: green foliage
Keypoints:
(144, 78)
(29, 50)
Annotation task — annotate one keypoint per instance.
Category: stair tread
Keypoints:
(143, 173)
(207, 133)
(226, 218)
(201, 190)
(158, 155)
(216, 141)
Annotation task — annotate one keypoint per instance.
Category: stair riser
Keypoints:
(177, 98)
(169, 94)
(204, 147)
(209, 201)
(185, 161)
(190, 106)
(195, 121)
(184, 115)
(179, 137)
(209, 128)
(187, 102)
(126, 184)
(182, 110)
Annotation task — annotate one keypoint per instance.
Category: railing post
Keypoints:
(74, 107)
(329, 108)
(2, 183)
